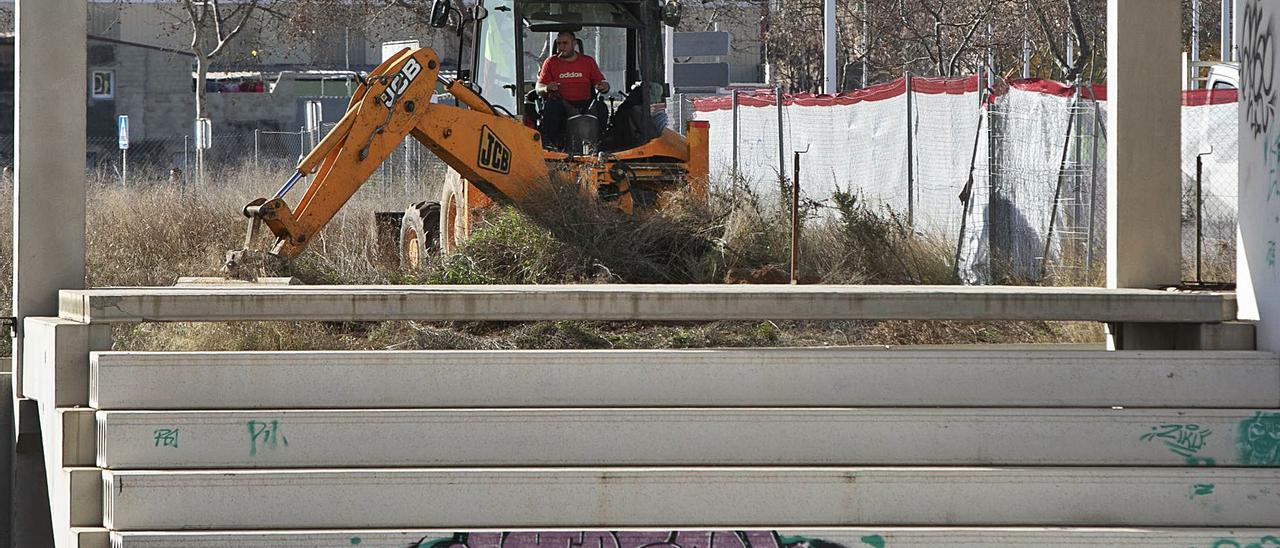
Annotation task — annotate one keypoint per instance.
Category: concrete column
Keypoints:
(1144, 137)
(49, 201)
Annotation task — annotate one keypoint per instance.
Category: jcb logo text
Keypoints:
(401, 82)
(494, 155)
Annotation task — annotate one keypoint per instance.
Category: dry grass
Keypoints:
(151, 232)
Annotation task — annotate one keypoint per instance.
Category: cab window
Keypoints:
(495, 54)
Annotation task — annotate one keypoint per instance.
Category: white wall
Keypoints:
(1257, 22)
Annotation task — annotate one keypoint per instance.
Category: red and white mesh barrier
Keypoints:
(1014, 142)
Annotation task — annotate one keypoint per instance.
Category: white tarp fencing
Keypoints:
(1012, 144)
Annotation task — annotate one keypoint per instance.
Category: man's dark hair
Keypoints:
(569, 32)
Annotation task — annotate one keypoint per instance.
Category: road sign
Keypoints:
(697, 44)
(122, 130)
(391, 48)
(204, 134)
(701, 75)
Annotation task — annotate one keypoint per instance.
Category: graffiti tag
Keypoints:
(265, 435)
(638, 539)
(1263, 542)
(1258, 68)
(1258, 440)
(1184, 440)
(166, 437)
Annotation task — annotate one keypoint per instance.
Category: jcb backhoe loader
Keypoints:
(493, 154)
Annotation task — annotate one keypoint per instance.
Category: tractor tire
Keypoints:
(453, 213)
(419, 234)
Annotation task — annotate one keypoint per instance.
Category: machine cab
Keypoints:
(623, 36)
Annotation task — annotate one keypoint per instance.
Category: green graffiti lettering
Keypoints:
(167, 437)
(265, 435)
(1264, 542)
(873, 540)
(1184, 440)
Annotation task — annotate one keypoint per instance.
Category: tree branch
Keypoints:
(244, 18)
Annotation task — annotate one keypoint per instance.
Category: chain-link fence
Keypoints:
(1210, 204)
(270, 154)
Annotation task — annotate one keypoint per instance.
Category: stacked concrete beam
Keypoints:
(641, 302)
(760, 377)
(56, 366)
(688, 497)
(693, 438)
(964, 537)
(168, 440)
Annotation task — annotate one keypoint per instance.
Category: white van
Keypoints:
(1223, 76)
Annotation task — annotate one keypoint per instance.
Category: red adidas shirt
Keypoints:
(575, 77)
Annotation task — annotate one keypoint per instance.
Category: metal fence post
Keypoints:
(255, 149)
(795, 220)
(911, 176)
(736, 174)
(782, 156)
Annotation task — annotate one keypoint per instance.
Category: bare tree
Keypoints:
(213, 25)
(949, 33)
(1073, 66)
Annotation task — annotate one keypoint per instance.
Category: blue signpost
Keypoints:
(122, 131)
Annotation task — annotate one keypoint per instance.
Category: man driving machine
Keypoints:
(565, 83)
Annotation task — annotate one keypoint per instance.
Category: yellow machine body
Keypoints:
(496, 157)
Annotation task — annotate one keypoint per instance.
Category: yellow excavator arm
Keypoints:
(492, 150)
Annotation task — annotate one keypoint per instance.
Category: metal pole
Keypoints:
(346, 53)
(911, 175)
(302, 147)
(736, 174)
(782, 156)
(124, 166)
(866, 41)
(795, 220)
(1228, 53)
(255, 148)
(829, 84)
(186, 165)
(991, 58)
(668, 54)
(1199, 215)
(1195, 39)
(1026, 56)
(1071, 48)
(678, 116)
